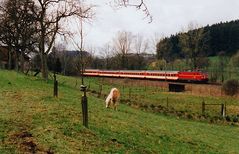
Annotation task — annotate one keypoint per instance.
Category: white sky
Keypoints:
(169, 17)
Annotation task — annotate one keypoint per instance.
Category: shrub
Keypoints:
(231, 87)
(235, 119)
(228, 118)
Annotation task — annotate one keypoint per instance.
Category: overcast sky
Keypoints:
(169, 17)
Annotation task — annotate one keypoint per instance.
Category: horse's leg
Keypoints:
(115, 105)
(108, 104)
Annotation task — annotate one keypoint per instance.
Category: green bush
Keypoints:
(228, 118)
(231, 87)
(235, 119)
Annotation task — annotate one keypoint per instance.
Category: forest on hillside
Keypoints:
(197, 44)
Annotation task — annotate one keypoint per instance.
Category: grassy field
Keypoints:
(151, 95)
(32, 121)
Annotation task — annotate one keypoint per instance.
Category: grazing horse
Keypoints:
(112, 98)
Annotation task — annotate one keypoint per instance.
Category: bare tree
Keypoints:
(51, 15)
(140, 47)
(139, 4)
(106, 53)
(122, 46)
(155, 39)
(17, 28)
(140, 44)
(81, 59)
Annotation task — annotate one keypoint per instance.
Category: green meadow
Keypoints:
(33, 121)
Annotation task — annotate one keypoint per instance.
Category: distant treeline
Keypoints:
(201, 42)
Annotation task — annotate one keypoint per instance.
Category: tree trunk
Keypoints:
(17, 61)
(65, 63)
(107, 63)
(124, 63)
(22, 62)
(44, 69)
(9, 59)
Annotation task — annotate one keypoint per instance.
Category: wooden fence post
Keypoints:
(222, 110)
(100, 90)
(84, 106)
(89, 85)
(225, 109)
(55, 92)
(203, 107)
(76, 83)
(123, 94)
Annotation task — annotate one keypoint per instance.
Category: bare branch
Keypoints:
(140, 6)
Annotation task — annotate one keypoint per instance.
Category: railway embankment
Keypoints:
(198, 89)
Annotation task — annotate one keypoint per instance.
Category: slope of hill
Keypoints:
(212, 40)
(33, 121)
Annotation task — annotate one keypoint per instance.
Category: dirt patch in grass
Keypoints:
(24, 141)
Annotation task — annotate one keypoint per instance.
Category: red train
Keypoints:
(189, 76)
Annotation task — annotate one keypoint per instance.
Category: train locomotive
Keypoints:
(181, 76)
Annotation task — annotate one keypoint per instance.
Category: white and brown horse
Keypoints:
(112, 98)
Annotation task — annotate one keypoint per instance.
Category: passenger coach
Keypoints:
(188, 76)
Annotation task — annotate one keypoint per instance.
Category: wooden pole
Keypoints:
(225, 109)
(55, 93)
(222, 110)
(100, 90)
(84, 106)
(129, 93)
(203, 107)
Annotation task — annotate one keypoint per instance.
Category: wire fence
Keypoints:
(147, 95)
